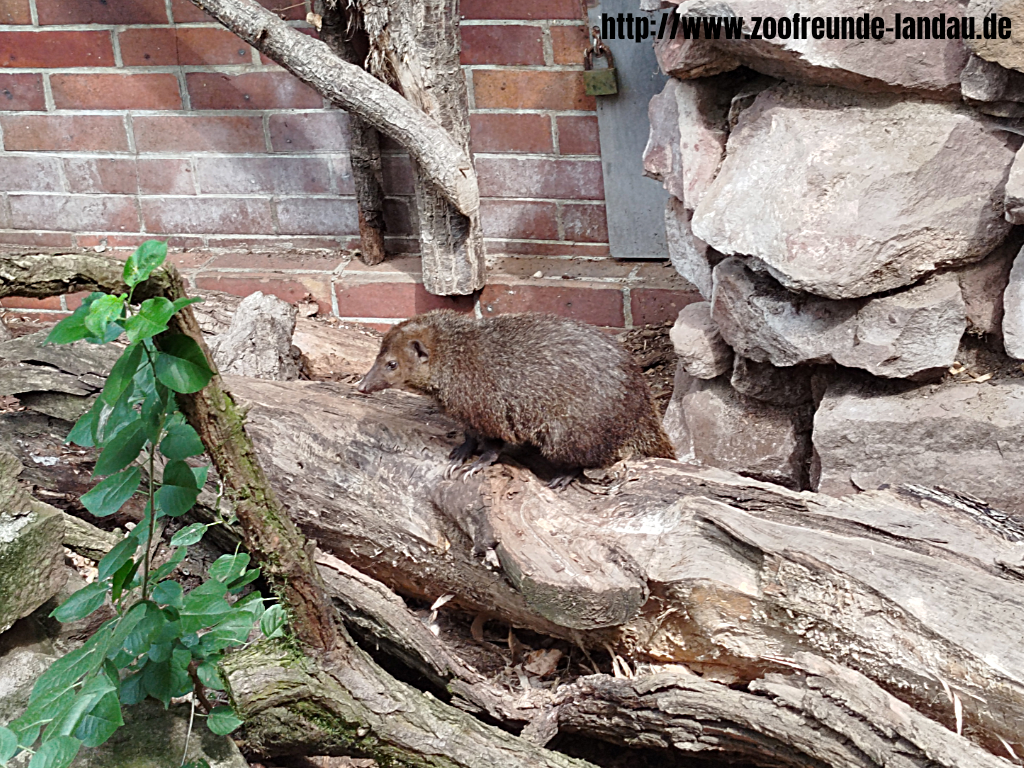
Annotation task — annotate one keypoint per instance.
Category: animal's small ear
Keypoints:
(420, 349)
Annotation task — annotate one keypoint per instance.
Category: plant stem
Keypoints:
(152, 522)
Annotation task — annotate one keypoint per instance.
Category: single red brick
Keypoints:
(98, 133)
(21, 91)
(89, 213)
(505, 218)
(102, 12)
(36, 239)
(286, 242)
(317, 216)
(30, 173)
(276, 262)
(110, 175)
(505, 44)
(136, 91)
(341, 170)
(516, 268)
(529, 89)
(184, 11)
(200, 215)
(530, 9)
(83, 48)
(259, 175)
(528, 177)
(398, 300)
(193, 133)
(398, 174)
(568, 44)
(535, 248)
(169, 46)
(652, 305)
(253, 90)
(325, 131)
(165, 176)
(74, 300)
(586, 223)
(122, 246)
(15, 12)
(21, 302)
(577, 135)
(597, 306)
(283, 285)
(510, 133)
(408, 266)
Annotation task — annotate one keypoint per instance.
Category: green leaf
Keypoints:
(147, 257)
(205, 605)
(272, 623)
(67, 721)
(84, 431)
(9, 742)
(200, 763)
(81, 603)
(120, 554)
(236, 586)
(99, 724)
(200, 474)
(181, 364)
(56, 753)
(150, 320)
(168, 593)
(113, 418)
(160, 651)
(229, 567)
(189, 535)
(109, 495)
(181, 442)
(72, 328)
(234, 630)
(102, 312)
(123, 576)
(174, 501)
(122, 374)
(167, 568)
(222, 720)
(209, 675)
(179, 473)
(165, 679)
(132, 689)
(122, 450)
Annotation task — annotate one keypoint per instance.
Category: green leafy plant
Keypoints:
(161, 643)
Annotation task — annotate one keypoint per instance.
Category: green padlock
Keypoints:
(599, 82)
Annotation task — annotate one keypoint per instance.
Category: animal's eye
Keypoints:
(392, 364)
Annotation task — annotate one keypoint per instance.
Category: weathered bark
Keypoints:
(367, 173)
(444, 160)
(417, 43)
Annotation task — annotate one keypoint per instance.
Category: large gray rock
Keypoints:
(767, 383)
(967, 437)
(713, 425)
(691, 256)
(1007, 52)
(1014, 197)
(685, 59)
(898, 335)
(1013, 310)
(701, 350)
(982, 285)
(929, 67)
(259, 341)
(845, 195)
(992, 89)
(689, 128)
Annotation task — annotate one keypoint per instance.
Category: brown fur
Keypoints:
(560, 385)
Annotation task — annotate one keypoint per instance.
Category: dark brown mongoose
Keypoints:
(527, 379)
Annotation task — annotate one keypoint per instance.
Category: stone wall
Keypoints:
(847, 209)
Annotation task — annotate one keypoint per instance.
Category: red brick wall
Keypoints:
(125, 120)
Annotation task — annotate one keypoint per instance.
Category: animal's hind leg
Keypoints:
(460, 453)
(491, 451)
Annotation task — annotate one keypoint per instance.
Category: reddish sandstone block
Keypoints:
(82, 48)
(260, 175)
(398, 174)
(652, 305)
(568, 44)
(317, 216)
(98, 133)
(531, 9)
(578, 136)
(101, 12)
(190, 133)
(136, 91)
(200, 215)
(21, 91)
(527, 177)
(398, 300)
(74, 213)
(503, 218)
(253, 90)
(21, 302)
(169, 46)
(597, 306)
(105, 175)
(325, 131)
(15, 12)
(29, 173)
(166, 176)
(341, 170)
(530, 89)
(284, 286)
(510, 133)
(504, 44)
(586, 223)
